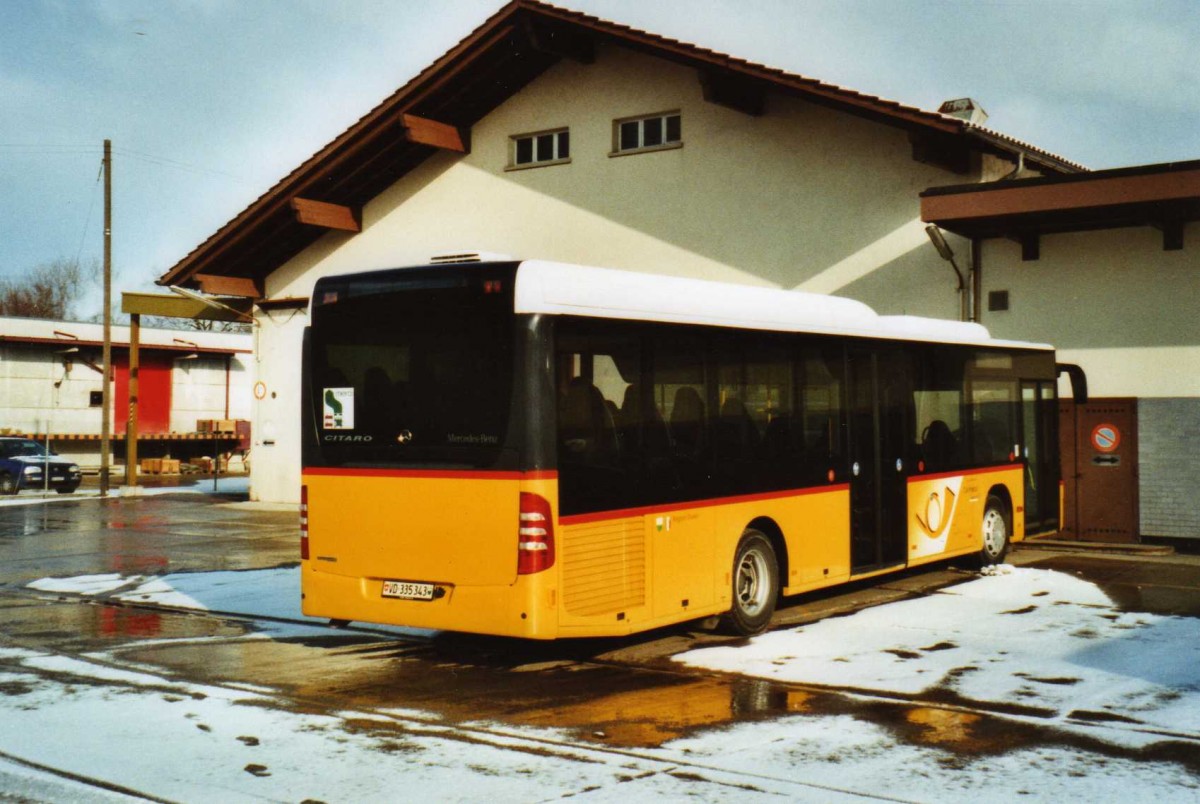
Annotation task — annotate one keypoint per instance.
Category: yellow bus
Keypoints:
(541, 450)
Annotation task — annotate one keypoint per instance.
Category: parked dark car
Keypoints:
(23, 463)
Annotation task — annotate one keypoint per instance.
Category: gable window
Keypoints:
(542, 148)
(650, 133)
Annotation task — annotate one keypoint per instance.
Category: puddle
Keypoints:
(75, 626)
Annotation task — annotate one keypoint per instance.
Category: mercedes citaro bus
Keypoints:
(542, 450)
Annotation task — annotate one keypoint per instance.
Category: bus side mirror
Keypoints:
(1079, 389)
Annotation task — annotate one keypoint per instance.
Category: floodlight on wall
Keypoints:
(67, 361)
(188, 293)
(946, 253)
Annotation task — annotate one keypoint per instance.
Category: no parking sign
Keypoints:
(1106, 438)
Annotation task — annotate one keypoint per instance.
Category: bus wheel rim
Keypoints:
(994, 532)
(751, 582)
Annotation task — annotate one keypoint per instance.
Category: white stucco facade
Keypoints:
(800, 197)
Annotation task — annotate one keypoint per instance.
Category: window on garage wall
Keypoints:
(539, 149)
(654, 132)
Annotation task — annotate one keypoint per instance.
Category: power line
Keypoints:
(50, 149)
(163, 161)
(88, 220)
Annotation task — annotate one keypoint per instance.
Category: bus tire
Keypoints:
(755, 585)
(995, 532)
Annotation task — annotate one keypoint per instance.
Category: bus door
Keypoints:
(1039, 409)
(880, 403)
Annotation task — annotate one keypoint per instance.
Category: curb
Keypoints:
(1065, 546)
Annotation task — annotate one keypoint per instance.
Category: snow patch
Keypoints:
(83, 584)
(1019, 638)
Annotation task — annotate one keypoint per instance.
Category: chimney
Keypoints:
(965, 109)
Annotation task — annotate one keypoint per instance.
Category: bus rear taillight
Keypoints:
(304, 523)
(535, 536)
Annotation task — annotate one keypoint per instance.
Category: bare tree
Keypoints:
(51, 290)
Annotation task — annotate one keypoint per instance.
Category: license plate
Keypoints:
(407, 590)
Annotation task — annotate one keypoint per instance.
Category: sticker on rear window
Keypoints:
(338, 404)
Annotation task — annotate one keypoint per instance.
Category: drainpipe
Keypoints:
(977, 278)
(1016, 172)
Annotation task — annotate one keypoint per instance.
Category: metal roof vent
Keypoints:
(965, 109)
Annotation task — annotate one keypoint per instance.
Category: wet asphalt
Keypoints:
(623, 693)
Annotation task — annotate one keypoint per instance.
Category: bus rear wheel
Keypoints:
(995, 532)
(755, 585)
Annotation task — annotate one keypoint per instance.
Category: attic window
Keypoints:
(541, 148)
(650, 133)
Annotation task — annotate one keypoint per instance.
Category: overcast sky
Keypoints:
(210, 102)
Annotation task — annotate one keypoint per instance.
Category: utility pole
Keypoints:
(106, 393)
(131, 424)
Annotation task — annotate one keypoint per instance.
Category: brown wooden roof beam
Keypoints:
(326, 215)
(423, 131)
(230, 285)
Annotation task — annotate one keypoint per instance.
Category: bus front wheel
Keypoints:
(995, 532)
(755, 585)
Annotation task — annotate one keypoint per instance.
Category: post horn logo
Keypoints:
(404, 437)
(939, 511)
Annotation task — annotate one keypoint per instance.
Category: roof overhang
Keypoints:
(1165, 196)
(180, 346)
(435, 111)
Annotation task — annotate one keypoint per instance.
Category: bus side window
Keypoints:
(681, 395)
(993, 423)
(939, 403)
(585, 424)
(821, 413)
(755, 391)
(599, 442)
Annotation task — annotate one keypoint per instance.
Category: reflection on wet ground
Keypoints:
(149, 535)
(1154, 587)
(78, 627)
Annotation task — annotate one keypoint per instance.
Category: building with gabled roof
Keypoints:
(437, 110)
(551, 134)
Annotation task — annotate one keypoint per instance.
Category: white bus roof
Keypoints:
(563, 289)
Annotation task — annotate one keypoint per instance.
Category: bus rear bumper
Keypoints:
(495, 610)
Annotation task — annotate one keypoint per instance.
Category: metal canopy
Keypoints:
(172, 306)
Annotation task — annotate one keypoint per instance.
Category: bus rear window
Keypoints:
(414, 372)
